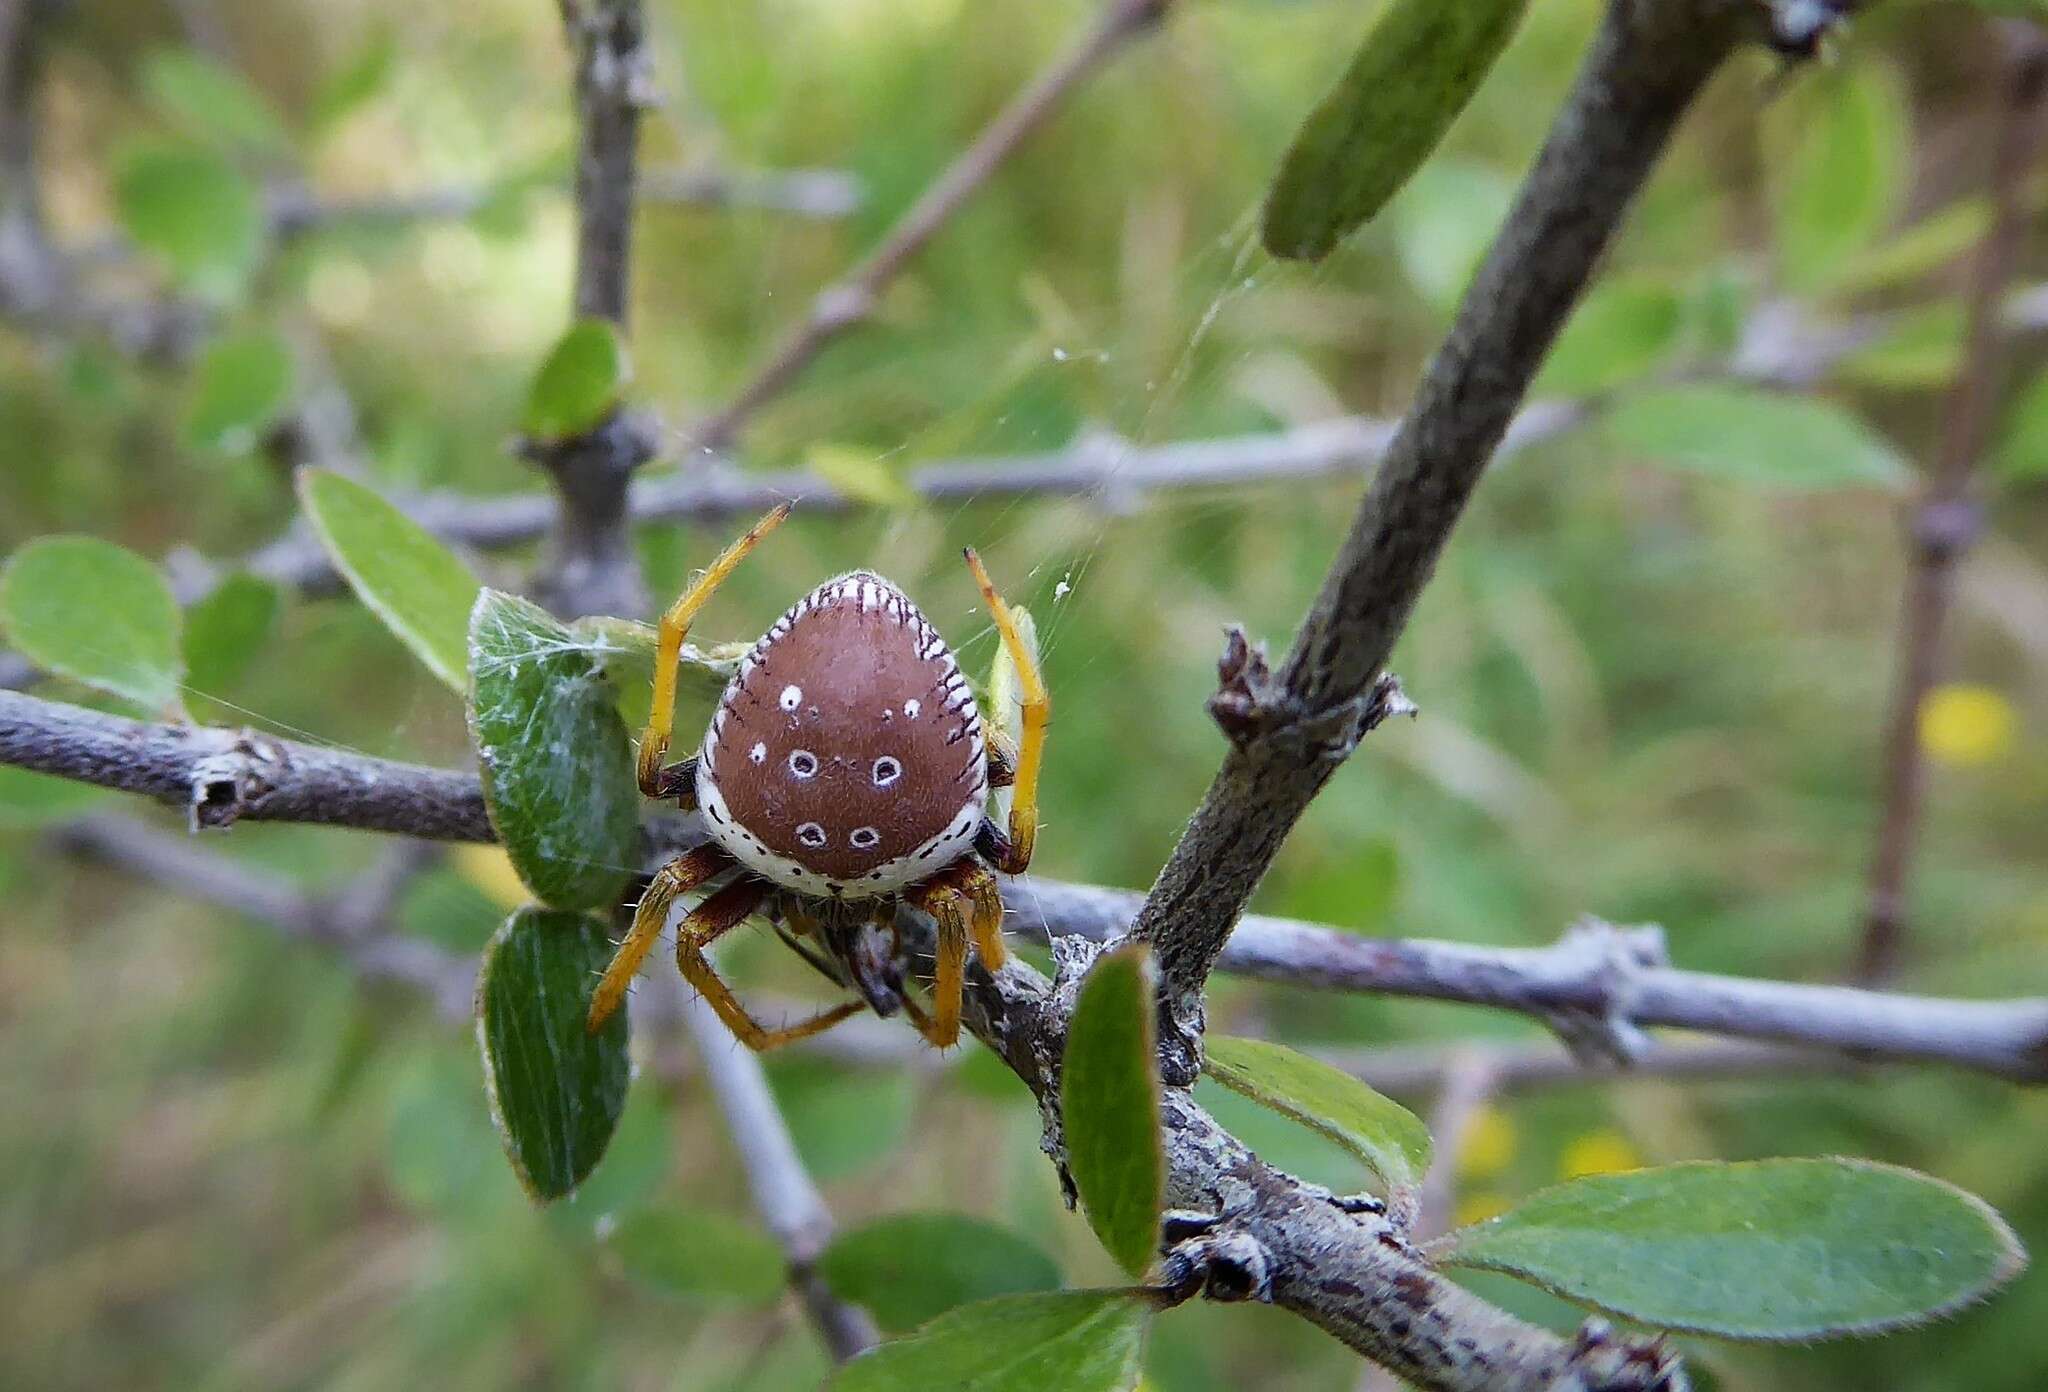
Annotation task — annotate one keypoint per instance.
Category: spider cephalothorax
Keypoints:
(845, 767)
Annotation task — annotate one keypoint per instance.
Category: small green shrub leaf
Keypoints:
(556, 1090)
(557, 766)
(213, 102)
(2021, 452)
(1754, 436)
(862, 475)
(96, 613)
(1109, 1099)
(243, 384)
(1769, 1250)
(356, 83)
(194, 210)
(579, 383)
(699, 1253)
(1844, 183)
(1076, 1341)
(226, 631)
(1414, 73)
(1387, 1136)
(624, 649)
(910, 1267)
(418, 587)
(1618, 334)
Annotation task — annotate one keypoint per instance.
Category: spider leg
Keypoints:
(941, 898)
(986, 896)
(679, 876)
(1037, 714)
(668, 649)
(706, 924)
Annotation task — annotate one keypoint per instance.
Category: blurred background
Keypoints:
(1653, 667)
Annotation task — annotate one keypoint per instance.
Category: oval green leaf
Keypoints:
(213, 102)
(701, 1254)
(418, 587)
(226, 631)
(1388, 1137)
(2021, 453)
(1755, 436)
(1770, 1250)
(196, 211)
(96, 613)
(1109, 1103)
(557, 765)
(1411, 77)
(579, 383)
(244, 383)
(1076, 1341)
(556, 1090)
(1847, 174)
(910, 1267)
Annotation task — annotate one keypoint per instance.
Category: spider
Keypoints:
(845, 770)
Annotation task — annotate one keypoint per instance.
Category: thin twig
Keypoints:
(1297, 726)
(854, 299)
(1948, 516)
(784, 1195)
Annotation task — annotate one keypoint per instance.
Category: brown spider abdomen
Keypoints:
(846, 755)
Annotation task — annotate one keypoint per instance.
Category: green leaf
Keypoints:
(418, 587)
(29, 799)
(1385, 1135)
(243, 384)
(907, 1268)
(556, 1089)
(194, 210)
(1928, 245)
(1843, 184)
(213, 102)
(624, 649)
(2021, 452)
(1109, 1099)
(861, 475)
(1769, 1250)
(1755, 436)
(579, 384)
(696, 1252)
(359, 81)
(1411, 77)
(1618, 333)
(1076, 1341)
(96, 613)
(226, 631)
(557, 766)
(1919, 348)
(1444, 221)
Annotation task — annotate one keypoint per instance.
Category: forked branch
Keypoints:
(1647, 63)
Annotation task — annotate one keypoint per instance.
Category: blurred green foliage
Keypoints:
(1646, 692)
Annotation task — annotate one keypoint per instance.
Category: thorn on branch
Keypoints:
(1199, 1255)
(228, 780)
(1607, 1362)
(1603, 1031)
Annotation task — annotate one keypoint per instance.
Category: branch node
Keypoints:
(227, 780)
(1199, 1254)
(1251, 704)
(1610, 961)
(1607, 1362)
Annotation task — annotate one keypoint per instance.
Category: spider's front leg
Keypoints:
(668, 651)
(1013, 853)
(708, 922)
(680, 876)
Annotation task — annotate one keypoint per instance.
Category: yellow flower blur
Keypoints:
(490, 870)
(1964, 726)
(1605, 1151)
(1488, 1145)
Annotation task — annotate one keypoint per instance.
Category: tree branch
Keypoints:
(853, 300)
(1595, 986)
(221, 776)
(1948, 516)
(784, 1195)
(1646, 64)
